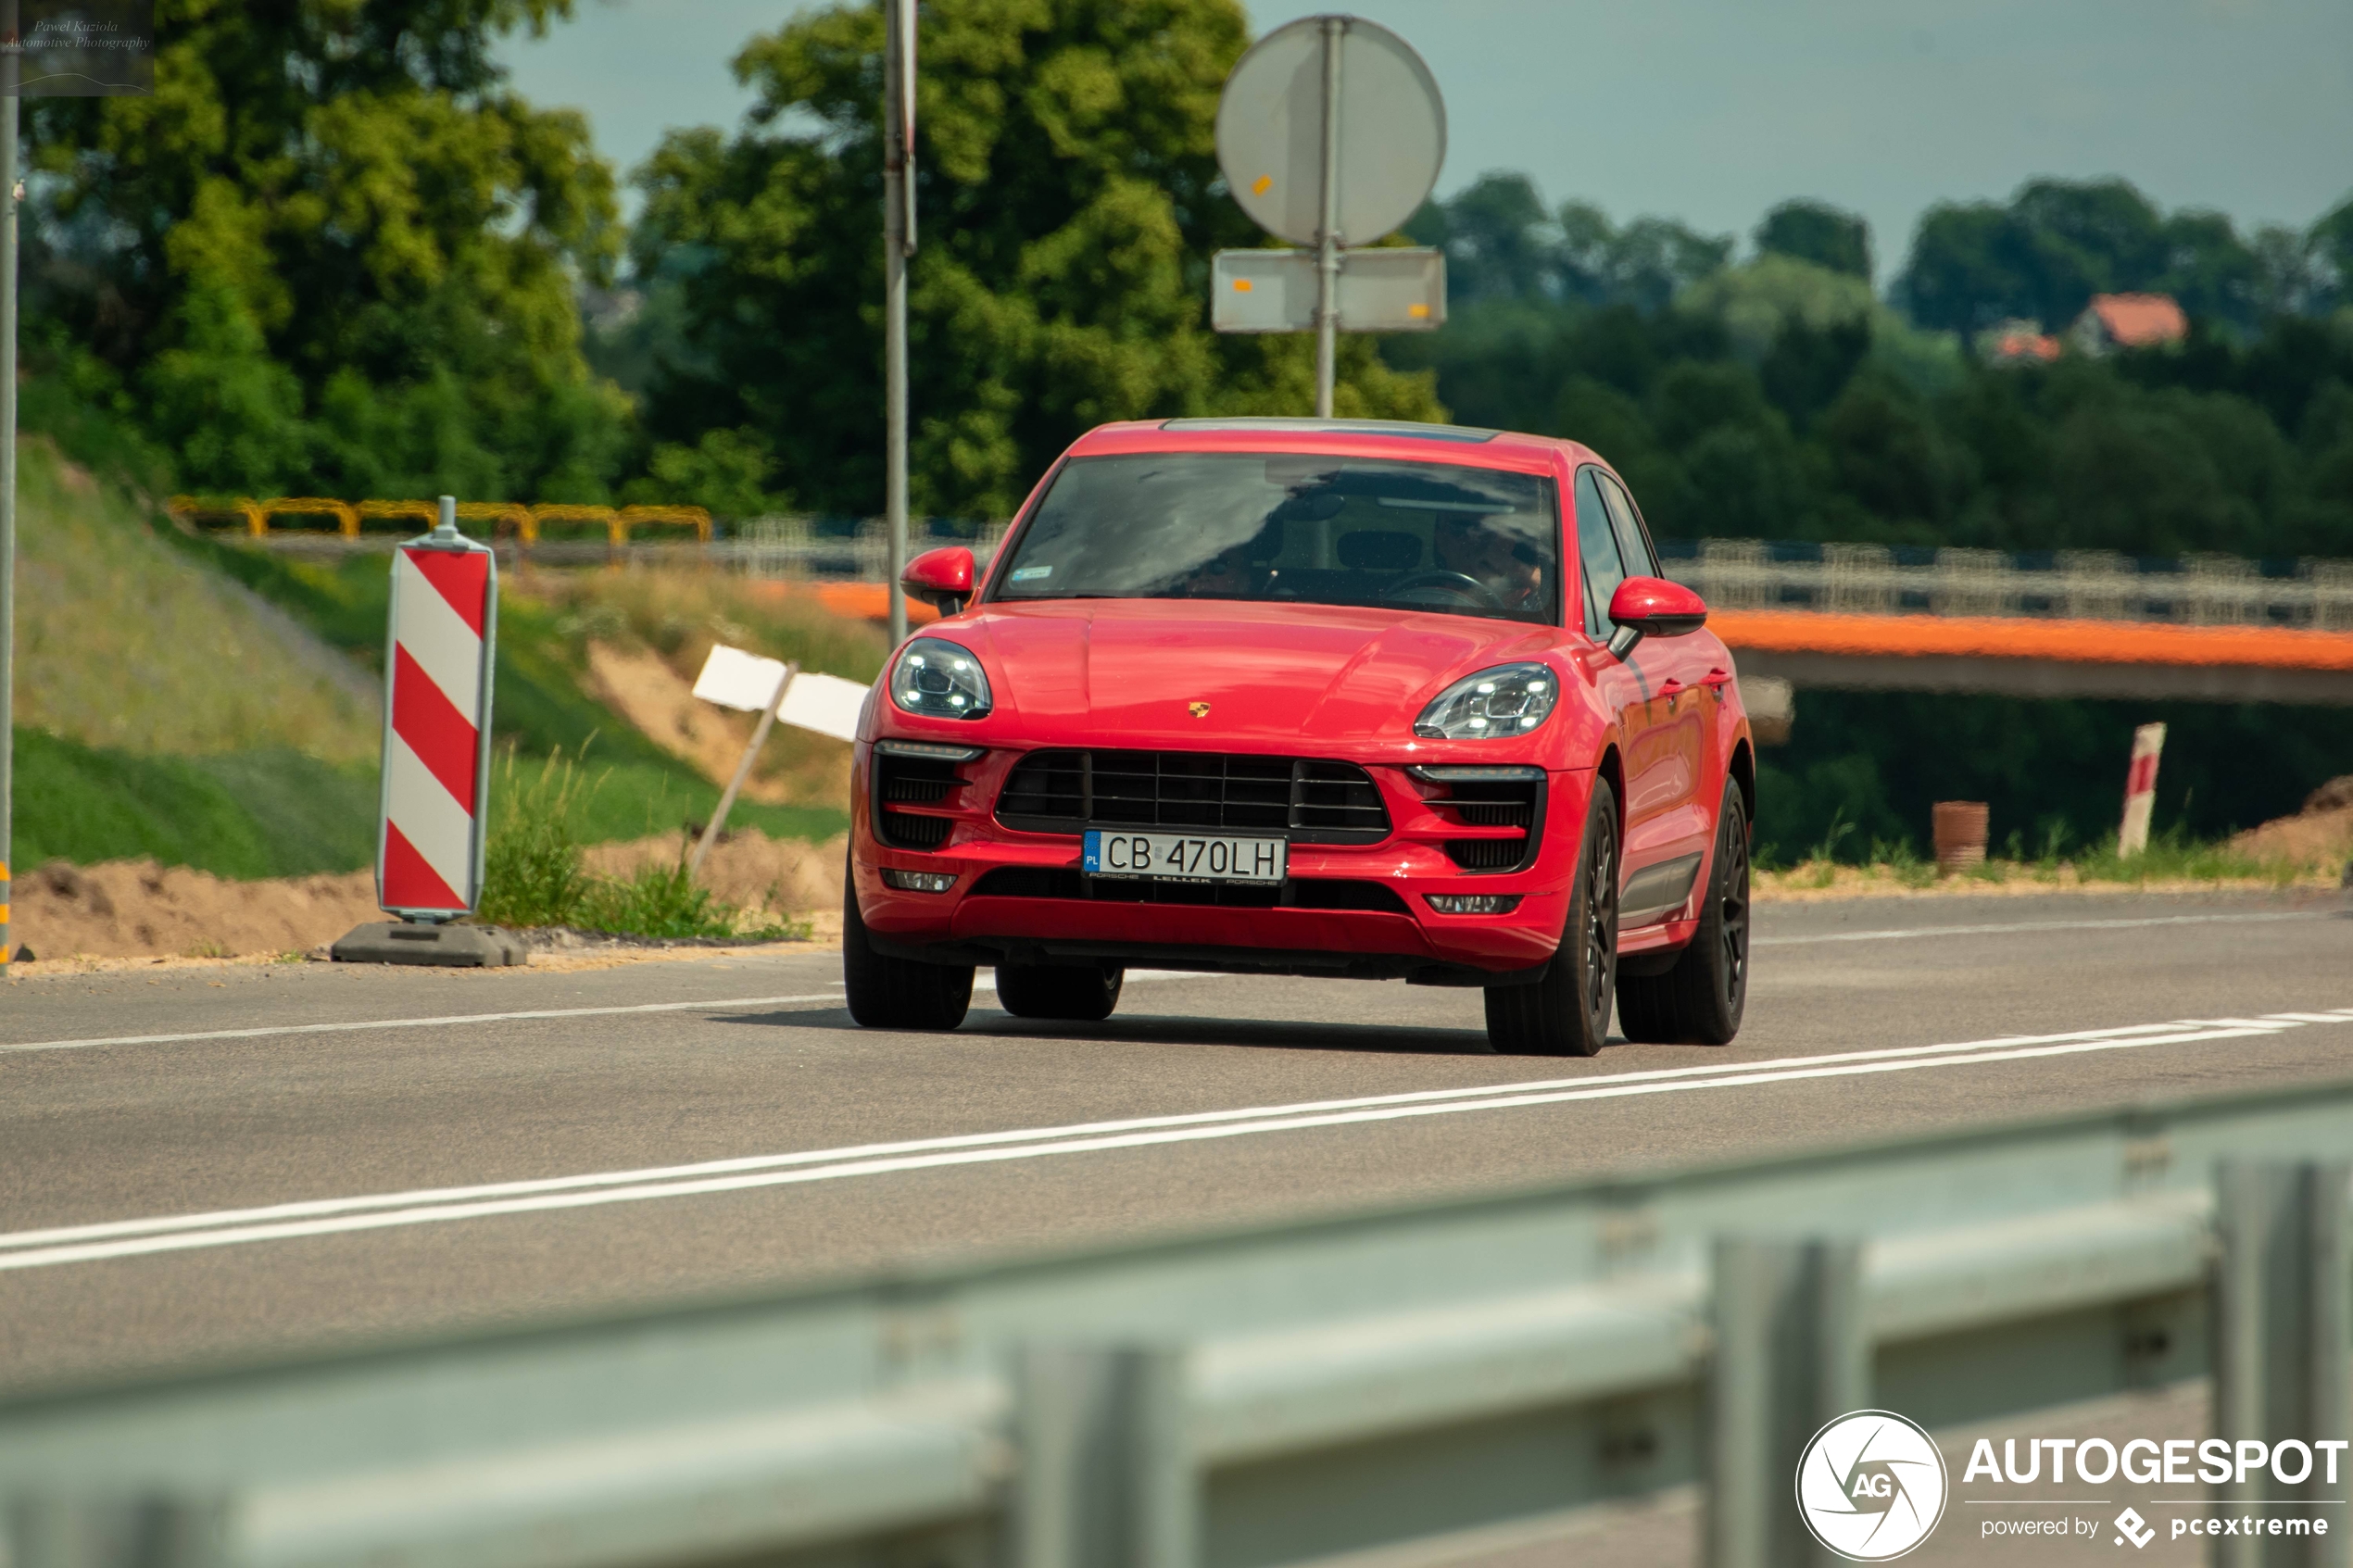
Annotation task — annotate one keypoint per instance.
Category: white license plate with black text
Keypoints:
(1182, 857)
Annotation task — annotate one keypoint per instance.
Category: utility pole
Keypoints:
(11, 60)
(1326, 232)
(899, 243)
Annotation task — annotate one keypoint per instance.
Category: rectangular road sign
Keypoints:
(1397, 289)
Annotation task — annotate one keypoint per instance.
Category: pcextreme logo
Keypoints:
(1870, 1485)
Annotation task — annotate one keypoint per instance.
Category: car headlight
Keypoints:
(1510, 700)
(939, 679)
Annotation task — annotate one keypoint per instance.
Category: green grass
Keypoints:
(2173, 858)
(246, 814)
(277, 812)
(537, 705)
(120, 644)
(533, 876)
(161, 712)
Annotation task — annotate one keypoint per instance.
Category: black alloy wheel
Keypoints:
(1699, 1000)
(889, 993)
(1566, 1012)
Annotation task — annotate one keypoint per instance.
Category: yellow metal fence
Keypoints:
(509, 519)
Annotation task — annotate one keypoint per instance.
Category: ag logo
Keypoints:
(1870, 1486)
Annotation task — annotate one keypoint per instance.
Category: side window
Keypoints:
(1597, 547)
(1634, 543)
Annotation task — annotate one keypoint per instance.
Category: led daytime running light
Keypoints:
(1510, 700)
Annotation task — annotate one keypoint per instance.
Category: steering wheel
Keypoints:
(1461, 585)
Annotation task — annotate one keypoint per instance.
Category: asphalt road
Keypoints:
(143, 1119)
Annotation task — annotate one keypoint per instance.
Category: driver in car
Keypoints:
(1510, 568)
(1228, 574)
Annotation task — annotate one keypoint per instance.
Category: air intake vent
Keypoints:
(913, 780)
(1300, 892)
(1485, 854)
(1308, 801)
(908, 830)
(1491, 801)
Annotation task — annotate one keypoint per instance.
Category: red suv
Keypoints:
(1322, 697)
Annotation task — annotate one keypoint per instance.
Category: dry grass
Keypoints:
(121, 643)
(643, 635)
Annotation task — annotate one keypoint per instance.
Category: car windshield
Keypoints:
(1294, 528)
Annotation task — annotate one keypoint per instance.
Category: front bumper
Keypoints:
(1402, 938)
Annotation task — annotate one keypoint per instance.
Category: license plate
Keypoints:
(1181, 857)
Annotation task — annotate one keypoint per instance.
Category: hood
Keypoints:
(1136, 668)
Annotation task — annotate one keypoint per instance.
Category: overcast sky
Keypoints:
(1712, 110)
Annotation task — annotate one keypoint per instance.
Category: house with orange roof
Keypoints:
(2017, 342)
(2128, 320)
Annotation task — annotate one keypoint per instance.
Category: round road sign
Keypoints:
(1270, 130)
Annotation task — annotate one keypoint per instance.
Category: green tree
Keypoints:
(333, 251)
(1818, 233)
(1069, 200)
(1495, 233)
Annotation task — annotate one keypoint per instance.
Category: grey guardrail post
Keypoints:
(1793, 1352)
(2281, 1339)
(1107, 1477)
(117, 1531)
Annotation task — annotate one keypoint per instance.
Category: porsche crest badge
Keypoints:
(1200, 710)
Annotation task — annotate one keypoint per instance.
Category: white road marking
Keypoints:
(39, 1248)
(1900, 934)
(404, 1024)
(268, 1031)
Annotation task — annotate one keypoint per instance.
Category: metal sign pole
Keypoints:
(1327, 236)
(896, 244)
(9, 67)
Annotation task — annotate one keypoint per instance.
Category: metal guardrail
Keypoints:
(509, 520)
(1730, 574)
(2075, 584)
(1283, 1394)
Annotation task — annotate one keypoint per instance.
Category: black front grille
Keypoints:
(1303, 893)
(1307, 800)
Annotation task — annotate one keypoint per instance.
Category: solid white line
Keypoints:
(403, 1024)
(1899, 934)
(314, 1208)
(481, 1018)
(847, 1168)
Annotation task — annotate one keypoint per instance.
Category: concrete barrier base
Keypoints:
(450, 946)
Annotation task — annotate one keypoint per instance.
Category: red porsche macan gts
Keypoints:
(1322, 697)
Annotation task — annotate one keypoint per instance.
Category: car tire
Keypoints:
(1566, 1012)
(1698, 1001)
(1077, 993)
(888, 993)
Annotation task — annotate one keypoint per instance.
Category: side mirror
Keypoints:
(1652, 607)
(941, 578)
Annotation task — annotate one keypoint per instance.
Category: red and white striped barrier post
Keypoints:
(438, 657)
(2140, 790)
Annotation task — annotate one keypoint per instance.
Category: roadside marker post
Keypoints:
(899, 243)
(439, 653)
(2140, 790)
(65, 65)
